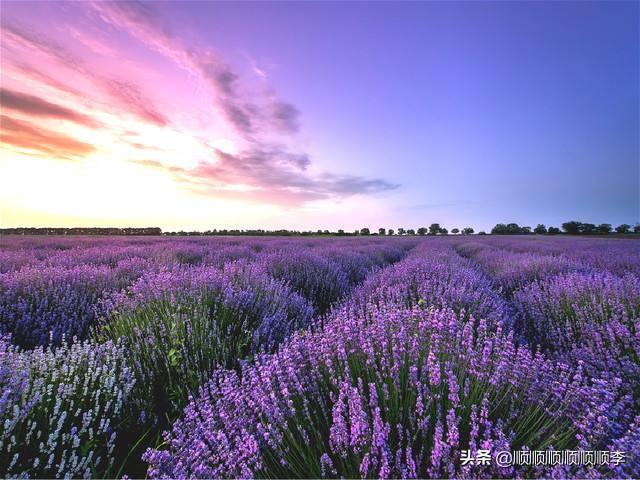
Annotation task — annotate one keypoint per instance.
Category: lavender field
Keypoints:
(378, 357)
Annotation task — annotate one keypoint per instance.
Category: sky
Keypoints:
(306, 115)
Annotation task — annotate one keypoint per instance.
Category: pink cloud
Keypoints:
(124, 95)
(248, 117)
(38, 107)
(25, 135)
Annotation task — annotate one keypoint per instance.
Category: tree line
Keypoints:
(570, 228)
(81, 231)
(433, 229)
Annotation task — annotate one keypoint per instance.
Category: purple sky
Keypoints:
(319, 115)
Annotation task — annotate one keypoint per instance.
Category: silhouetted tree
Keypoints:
(553, 230)
(444, 231)
(636, 228)
(604, 228)
(588, 228)
(455, 231)
(391, 232)
(513, 229)
(364, 231)
(382, 231)
(510, 229)
(624, 228)
(434, 229)
(422, 231)
(467, 231)
(540, 229)
(482, 232)
(411, 231)
(499, 229)
(401, 231)
(572, 227)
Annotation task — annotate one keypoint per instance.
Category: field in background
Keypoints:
(316, 357)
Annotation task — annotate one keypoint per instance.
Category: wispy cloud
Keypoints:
(38, 107)
(124, 95)
(33, 138)
(268, 176)
(131, 96)
(143, 23)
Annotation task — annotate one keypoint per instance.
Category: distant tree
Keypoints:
(434, 229)
(499, 229)
(553, 230)
(455, 231)
(391, 232)
(422, 231)
(382, 231)
(482, 232)
(624, 228)
(636, 228)
(573, 227)
(540, 229)
(365, 231)
(509, 229)
(513, 229)
(356, 232)
(467, 231)
(444, 231)
(340, 232)
(411, 231)
(588, 228)
(604, 228)
(401, 231)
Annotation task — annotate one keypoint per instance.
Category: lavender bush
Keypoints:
(178, 325)
(511, 270)
(590, 318)
(434, 277)
(316, 278)
(40, 305)
(59, 410)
